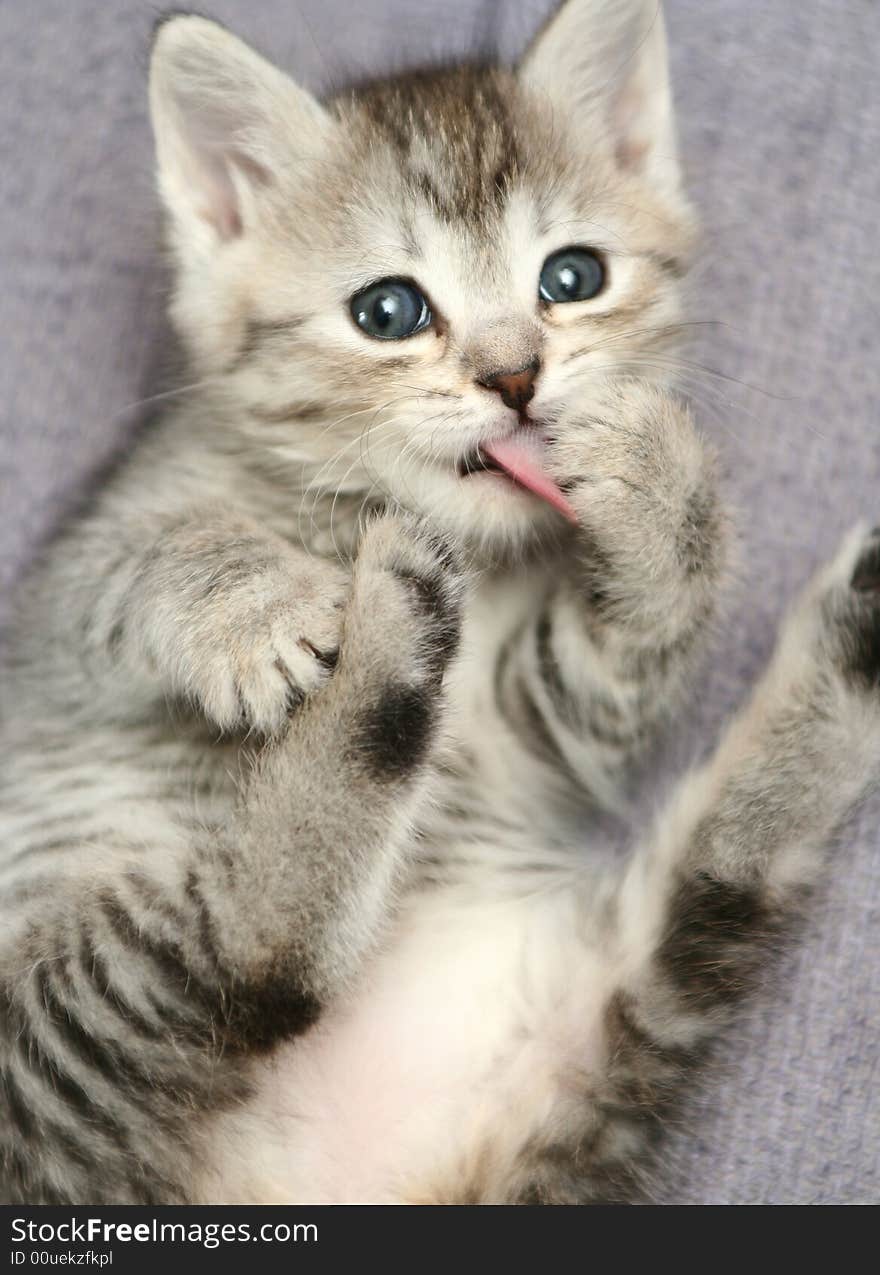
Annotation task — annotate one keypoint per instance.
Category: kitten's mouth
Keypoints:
(520, 459)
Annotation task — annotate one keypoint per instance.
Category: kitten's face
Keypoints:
(435, 266)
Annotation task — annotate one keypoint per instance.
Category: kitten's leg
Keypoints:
(603, 658)
(128, 1006)
(702, 906)
(199, 605)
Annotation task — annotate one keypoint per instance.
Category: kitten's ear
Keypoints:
(227, 123)
(603, 64)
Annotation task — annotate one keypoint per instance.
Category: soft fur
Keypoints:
(300, 721)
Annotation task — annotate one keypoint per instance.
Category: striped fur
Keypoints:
(300, 723)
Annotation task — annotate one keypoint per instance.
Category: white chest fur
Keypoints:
(455, 1050)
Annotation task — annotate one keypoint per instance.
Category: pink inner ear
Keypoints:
(224, 218)
(631, 153)
(630, 127)
(220, 207)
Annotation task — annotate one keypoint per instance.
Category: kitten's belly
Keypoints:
(472, 1026)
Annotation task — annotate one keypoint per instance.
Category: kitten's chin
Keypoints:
(485, 511)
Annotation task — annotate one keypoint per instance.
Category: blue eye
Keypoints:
(390, 310)
(574, 274)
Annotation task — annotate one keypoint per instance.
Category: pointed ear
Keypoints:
(603, 64)
(227, 124)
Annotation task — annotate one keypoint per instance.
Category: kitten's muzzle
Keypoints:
(517, 388)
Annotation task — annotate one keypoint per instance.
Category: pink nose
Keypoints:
(516, 388)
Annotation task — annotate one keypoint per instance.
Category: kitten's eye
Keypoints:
(390, 310)
(574, 274)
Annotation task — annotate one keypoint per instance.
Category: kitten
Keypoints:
(301, 714)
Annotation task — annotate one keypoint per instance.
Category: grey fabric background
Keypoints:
(780, 117)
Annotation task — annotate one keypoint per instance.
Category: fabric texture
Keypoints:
(780, 123)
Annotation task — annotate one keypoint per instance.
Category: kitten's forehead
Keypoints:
(457, 137)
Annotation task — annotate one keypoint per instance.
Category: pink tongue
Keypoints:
(520, 457)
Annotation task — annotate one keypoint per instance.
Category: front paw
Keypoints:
(643, 485)
(410, 583)
(401, 631)
(244, 629)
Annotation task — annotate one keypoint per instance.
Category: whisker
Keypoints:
(316, 482)
(165, 394)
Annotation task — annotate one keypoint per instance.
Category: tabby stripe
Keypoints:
(18, 1108)
(256, 1019)
(599, 716)
(551, 674)
(183, 1021)
(207, 932)
(154, 901)
(43, 1066)
(124, 1075)
(165, 956)
(40, 847)
(539, 735)
(95, 969)
(259, 332)
(523, 714)
(502, 660)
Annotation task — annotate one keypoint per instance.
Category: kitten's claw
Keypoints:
(257, 670)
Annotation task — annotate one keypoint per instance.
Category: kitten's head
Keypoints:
(397, 283)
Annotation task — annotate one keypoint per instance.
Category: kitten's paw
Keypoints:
(634, 456)
(261, 642)
(401, 631)
(849, 598)
(643, 485)
(409, 588)
(865, 576)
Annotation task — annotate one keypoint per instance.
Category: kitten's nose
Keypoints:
(516, 388)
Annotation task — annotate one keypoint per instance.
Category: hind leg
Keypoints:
(726, 872)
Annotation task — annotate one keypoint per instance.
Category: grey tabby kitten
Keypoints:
(294, 900)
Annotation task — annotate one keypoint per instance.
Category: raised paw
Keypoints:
(643, 485)
(866, 572)
(429, 582)
(242, 626)
(856, 612)
(274, 647)
(635, 453)
(401, 630)
(838, 616)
